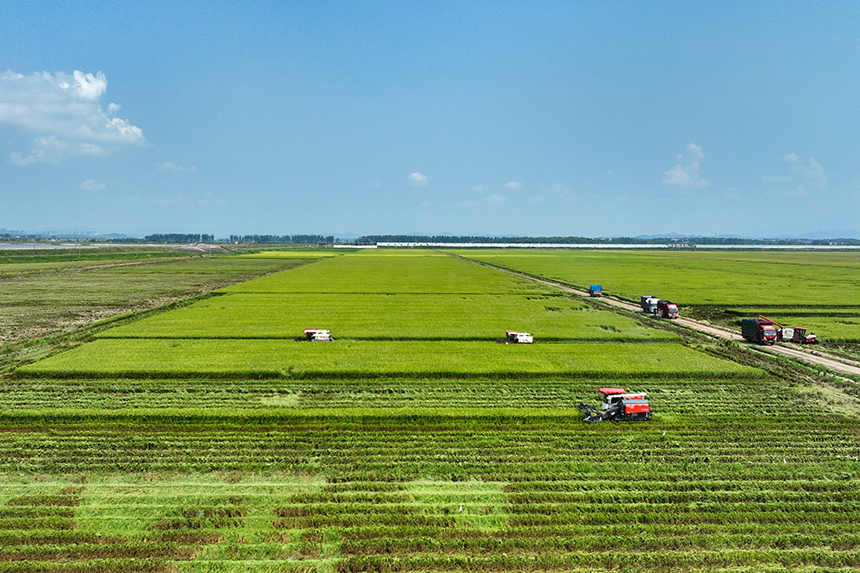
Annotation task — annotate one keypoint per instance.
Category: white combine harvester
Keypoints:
(513, 337)
(317, 335)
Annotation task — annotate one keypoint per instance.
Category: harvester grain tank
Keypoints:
(649, 303)
(667, 309)
(595, 290)
(617, 405)
(759, 330)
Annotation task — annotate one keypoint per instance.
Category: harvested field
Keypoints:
(206, 439)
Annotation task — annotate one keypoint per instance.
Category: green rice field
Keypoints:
(553, 317)
(785, 285)
(205, 438)
(696, 278)
(279, 359)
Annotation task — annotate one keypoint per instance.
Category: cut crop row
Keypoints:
(690, 398)
(652, 561)
(492, 545)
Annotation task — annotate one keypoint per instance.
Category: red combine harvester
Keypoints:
(617, 406)
(800, 335)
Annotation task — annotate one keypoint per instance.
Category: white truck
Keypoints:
(649, 303)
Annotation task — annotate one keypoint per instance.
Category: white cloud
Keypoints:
(513, 185)
(808, 175)
(492, 199)
(811, 171)
(694, 151)
(63, 114)
(52, 150)
(558, 189)
(417, 179)
(88, 86)
(93, 185)
(171, 166)
(687, 176)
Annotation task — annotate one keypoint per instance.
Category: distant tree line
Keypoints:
(180, 238)
(373, 239)
(284, 239)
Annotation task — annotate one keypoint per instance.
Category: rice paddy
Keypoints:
(206, 439)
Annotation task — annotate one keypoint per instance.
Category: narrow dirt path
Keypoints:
(814, 357)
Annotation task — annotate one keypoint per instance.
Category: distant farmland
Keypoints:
(206, 439)
(813, 289)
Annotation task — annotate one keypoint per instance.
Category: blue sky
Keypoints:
(524, 118)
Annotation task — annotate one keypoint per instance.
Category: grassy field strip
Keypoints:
(381, 317)
(279, 359)
(795, 312)
(390, 272)
(297, 254)
(18, 264)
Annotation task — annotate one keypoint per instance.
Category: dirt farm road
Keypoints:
(814, 357)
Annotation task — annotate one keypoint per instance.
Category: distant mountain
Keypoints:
(835, 234)
(815, 235)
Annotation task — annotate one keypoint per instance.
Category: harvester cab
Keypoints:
(618, 405)
(317, 335)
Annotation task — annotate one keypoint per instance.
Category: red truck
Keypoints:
(667, 309)
(759, 330)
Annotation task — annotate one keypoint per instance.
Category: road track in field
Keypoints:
(814, 357)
